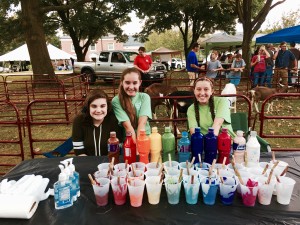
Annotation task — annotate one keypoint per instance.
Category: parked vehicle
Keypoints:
(110, 65)
(177, 63)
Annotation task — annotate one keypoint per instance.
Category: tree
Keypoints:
(194, 18)
(252, 14)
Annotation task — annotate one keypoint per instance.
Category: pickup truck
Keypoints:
(110, 65)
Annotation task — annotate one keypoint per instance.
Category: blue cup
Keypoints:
(191, 190)
(209, 190)
(227, 190)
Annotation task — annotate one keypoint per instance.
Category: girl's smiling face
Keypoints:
(98, 110)
(203, 90)
(131, 83)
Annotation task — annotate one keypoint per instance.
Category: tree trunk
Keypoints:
(35, 39)
(246, 49)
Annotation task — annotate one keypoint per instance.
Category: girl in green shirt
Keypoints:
(207, 110)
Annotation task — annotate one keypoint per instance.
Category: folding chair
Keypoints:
(62, 150)
(239, 121)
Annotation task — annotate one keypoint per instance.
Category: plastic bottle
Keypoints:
(184, 147)
(62, 191)
(168, 144)
(155, 145)
(253, 150)
(197, 144)
(210, 146)
(224, 146)
(239, 147)
(113, 147)
(76, 175)
(129, 148)
(143, 146)
(71, 179)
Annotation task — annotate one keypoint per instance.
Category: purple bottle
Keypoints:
(210, 146)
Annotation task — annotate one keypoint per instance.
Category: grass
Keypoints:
(55, 112)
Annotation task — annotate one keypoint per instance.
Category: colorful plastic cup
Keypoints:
(172, 172)
(227, 190)
(152, 166)
(265, 190)
(120, 173)
(204, 165)
(182, 165)
(209, 191)
(173, 164)
(102, 173)
(192, 172)
(152, 173)
(173, 188)
(191, 190)
(249, 192)
(139, 174)
(153, 186)
(121, 166)
(205, 173)
(138, 166)
(136, 192)
(101, 191)
(284, 190)
(103, 166)
(119, 190)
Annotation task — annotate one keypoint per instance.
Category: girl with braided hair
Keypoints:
(132, 108)
(207, 110)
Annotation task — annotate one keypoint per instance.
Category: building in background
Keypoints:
(103, 44)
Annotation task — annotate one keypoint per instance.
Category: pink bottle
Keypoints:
(224, 146)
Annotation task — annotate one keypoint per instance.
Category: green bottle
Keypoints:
(168, 144)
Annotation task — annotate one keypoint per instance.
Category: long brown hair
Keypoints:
(210, 101)
(125, 100)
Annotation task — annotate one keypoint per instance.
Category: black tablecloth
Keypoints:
(85, 210)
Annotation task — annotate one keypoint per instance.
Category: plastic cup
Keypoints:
(265, 190)
(138, 166)
(103, 166)
(279, 168)
(139, 174)
(204, 165)
(152, 173)
(120, 173)
(172, 172)
(238, 166)
(136, 192)
(220, 166)
(101, 191)
(173, 164)
(257, 172)
(227, 190)
(285, 190)
(209, 191)
(191, 190)
(245, 175)
(182, 165)
(249, 192)
(152, 166)
(173, 188)
(121, 166)
(205, 173)
(119, 190)
(153, 187)
(102, 173)
(192, 172)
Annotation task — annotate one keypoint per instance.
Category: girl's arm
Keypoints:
(217, 125)
(128, 127)
(141, 124)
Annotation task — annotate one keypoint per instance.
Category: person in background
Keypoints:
(92, 127)
(132, 108)
(207, 110)
(143, 63)
(213, 66)
(259, 64)
(192, 65)
(282, 58)
(237, 66)
(269, 66)
(229, 58)
(292, 65)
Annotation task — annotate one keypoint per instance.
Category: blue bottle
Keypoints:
(62, 191)
(184, 148)
(210, 146)
(197, 144)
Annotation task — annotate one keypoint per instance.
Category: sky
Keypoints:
(274, 15)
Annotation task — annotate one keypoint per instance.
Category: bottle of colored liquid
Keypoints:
(113, 147)
(239, 147)
(184, 147)
(253, 149)
(197, 144)
(155, 145)
(168, 144)
(129, 149)
(143, 145)
(62, 191)
(210, 146)
(224, 146)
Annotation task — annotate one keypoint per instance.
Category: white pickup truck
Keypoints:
(110, 65)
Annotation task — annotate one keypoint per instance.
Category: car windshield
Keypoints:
(130, 56)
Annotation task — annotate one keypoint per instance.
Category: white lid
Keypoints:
(240, 133)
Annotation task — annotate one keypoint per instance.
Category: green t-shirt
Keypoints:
(221, 111)
(142, 105)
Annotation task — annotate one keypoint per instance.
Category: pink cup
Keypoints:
(136, 192)
(101, 191)
(119, 190)
(249, 192)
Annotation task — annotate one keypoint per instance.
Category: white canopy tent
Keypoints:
(22, 54)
